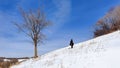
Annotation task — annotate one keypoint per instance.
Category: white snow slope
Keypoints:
(101, 52)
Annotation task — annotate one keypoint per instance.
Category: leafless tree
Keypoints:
(32, 26)
(109, 23)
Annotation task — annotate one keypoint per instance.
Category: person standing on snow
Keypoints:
(71, 43)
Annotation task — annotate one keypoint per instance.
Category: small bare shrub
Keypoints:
(7, 64)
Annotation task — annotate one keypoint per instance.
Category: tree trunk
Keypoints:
(35, 50)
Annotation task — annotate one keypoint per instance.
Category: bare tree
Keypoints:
(109, 23)
(32, 26)
(101, 28)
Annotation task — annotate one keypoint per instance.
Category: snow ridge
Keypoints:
(101, 52)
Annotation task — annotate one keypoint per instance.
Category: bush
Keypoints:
(109, 23)
(101, 28)
(1, 60)
(7, 64)
(13, 61)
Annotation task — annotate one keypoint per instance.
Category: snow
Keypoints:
(101, 52)
(6, 60)
(21, 60)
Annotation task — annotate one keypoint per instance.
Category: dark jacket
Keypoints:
(71, 43)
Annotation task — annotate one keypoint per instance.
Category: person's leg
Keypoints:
(71, 46)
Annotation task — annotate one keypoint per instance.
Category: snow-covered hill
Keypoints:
(101, 52)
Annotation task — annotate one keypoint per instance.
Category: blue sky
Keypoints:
(71, 19)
